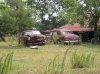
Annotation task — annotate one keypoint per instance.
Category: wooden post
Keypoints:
(80, 35)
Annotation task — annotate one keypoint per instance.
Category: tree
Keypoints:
(43, 8)
(69, 12)
(91, 10)
(17, 17)
(5, 21)
(22, 14)
(84, 10)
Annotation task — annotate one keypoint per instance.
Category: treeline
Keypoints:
(18, 15)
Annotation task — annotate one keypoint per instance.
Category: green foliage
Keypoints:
(55, 39)
(82, 10)
(22, 14)
(3, 5)
(46, 7)
(15, 16)
(5, 63)
(82, 61)
(56, 66)
(53, 67)
(69, 12)
(6, 21)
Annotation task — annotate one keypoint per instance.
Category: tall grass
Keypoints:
(5, 63)
(53, 66)
(82, 61)
(11, 40)
(56, 66)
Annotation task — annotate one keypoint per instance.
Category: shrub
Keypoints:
(55, 39)
(82, 61)
(5, 63)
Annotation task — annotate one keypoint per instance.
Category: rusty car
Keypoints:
(64, 35)
(32, 37)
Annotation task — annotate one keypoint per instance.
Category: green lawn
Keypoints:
(34, 61)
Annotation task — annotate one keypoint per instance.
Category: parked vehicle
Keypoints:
(32, 37)
(64, 35)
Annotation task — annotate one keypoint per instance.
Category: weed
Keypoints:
(5, 63)
(55, 67)
(82, 61)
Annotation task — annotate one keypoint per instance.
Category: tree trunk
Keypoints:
(95, 31)
(18, 34)
(2, 36)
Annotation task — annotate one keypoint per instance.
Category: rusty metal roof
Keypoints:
(76, 27)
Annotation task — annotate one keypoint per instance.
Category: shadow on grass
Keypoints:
(90, 45)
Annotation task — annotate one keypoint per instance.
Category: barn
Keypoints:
(85, 32)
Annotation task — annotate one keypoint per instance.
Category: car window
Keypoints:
(28, 33)
(32, 32)
(67, 32)
(36, 32)
(54, 33)
(50, 33)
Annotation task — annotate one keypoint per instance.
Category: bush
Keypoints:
(82, 61)
(55, 39)
(5, 63)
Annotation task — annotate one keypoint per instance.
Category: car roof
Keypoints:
(30, 30)
(64, 29)
(60, 30)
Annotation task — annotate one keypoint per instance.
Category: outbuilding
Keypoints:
(85, 32)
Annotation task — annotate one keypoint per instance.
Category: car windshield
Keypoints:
(32, 32)
(67, 32)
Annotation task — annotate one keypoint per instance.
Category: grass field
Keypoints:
(34, 61)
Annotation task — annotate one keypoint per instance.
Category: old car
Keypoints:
(64, 35)
(32, 37)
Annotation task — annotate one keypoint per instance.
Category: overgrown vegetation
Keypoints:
(5, 63)
(19, 15)
(81, 11)
(55, 66)
(31, 61)
(82, 61)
